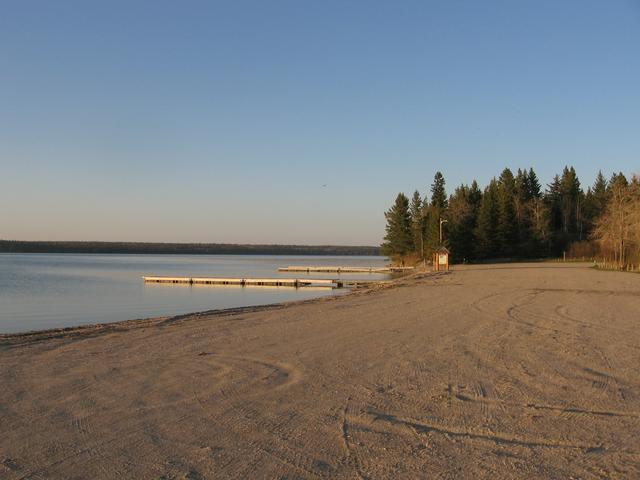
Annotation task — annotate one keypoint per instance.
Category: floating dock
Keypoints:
(332, 269)
(265, 282)
(250, 282)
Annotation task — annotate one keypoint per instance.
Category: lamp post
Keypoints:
(441, 222)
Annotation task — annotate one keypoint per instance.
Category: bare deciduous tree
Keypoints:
(618, 228)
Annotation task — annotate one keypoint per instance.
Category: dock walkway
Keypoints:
(249, 282)
(264, 282)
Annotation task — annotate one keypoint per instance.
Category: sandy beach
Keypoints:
(491, 371)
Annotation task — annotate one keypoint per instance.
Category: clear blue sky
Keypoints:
(221, 121)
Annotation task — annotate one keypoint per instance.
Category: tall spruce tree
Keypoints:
(553, 206)
(522, 185)
(535, 189)
(618, 180)
(435, 211)
(507, 229)
(486, 229)
(475, 197)
(461, 224)
(600, 194)
(438, 192)
(398, 240)
(417, 222)
(570, 196)
(533, 229)
(595, 202)
(522, 197)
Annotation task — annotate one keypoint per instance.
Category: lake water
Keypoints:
(42, 291)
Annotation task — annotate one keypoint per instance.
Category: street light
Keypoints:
(441, 222)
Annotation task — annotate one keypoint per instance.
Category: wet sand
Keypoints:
(512, 371)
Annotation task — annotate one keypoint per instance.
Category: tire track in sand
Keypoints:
(233, 411)
(352, 459)
(494, 437)
(506, 382)
(602, 381)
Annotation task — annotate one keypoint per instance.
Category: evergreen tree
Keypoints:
(461, 224)
(570, 196)
(553, 207)
(432, 218)
(417, 221)
(486, 229)
(534, 185)
(507, 231)
(522, 199)
(532, 219)
(522, 185)
(434, 212)
(475, 197)
(588, 210)
(618, 180)
(398, 241)
(438, 193)
(600, 194)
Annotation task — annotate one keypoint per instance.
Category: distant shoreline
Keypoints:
(20, 246)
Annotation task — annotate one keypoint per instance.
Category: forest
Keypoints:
(15, 246)
(514, 217)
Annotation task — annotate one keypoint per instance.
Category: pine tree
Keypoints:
(486, 230)
(461, 223)
(553, 206)
(532, 227)
(398, 241)
(438, 193)
(507, 231)
(432, 218)
(618, 180)
(475, 197)
(522, 185)
(534, 185)
(434, 213)
(600, 194)
(417, 222)
(522, 198)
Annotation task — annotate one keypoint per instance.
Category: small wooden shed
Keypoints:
(441, 259)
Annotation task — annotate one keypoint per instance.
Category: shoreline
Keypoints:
(94, 329)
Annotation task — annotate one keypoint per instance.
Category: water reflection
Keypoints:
(40, 291)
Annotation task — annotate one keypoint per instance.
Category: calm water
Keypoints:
(41, 291)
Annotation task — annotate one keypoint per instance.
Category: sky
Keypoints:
(297, 121)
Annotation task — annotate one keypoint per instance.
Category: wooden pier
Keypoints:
(334, 269)
(249, 282)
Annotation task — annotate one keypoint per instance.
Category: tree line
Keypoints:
(16, 246)
(514, 217)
